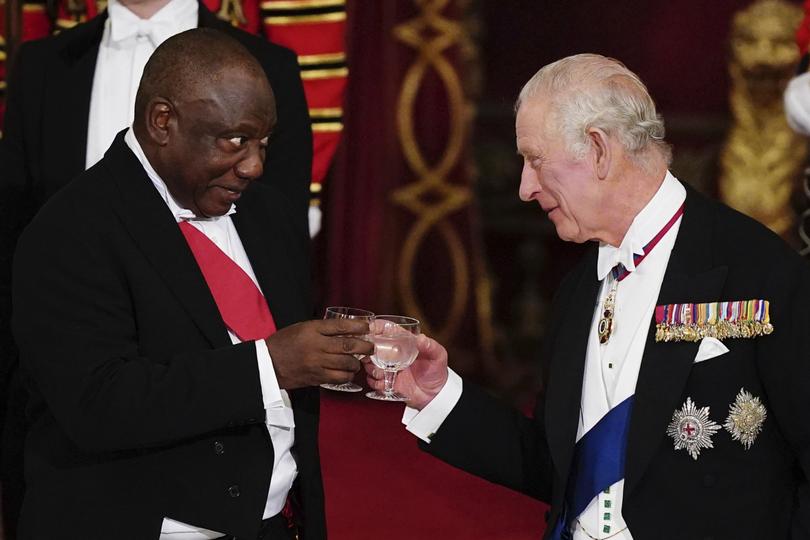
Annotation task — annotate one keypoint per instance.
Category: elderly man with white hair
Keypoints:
(677, 365)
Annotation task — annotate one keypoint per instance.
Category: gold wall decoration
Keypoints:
(231, 11)
(762, 159)
(432, 197)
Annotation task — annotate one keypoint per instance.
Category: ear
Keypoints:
(603, 154)
(160, 118)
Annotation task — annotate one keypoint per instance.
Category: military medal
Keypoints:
(745, 418)
(692, 429)
(619, 272)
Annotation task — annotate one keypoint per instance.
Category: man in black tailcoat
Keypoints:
(68, 96)
(677, 364)
(147, 295)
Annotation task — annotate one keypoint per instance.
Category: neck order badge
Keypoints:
(619, 272)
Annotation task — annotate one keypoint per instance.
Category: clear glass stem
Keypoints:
(390, 376)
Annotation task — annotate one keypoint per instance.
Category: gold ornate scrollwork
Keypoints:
(763, 158)
(431, 34)
(231, 11)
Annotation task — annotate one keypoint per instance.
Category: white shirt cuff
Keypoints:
(425, 423)
(277, 405)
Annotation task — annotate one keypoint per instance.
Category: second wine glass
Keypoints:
(394, 338)
(347, 313)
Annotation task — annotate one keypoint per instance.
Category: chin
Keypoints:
(214, 209)
(567, 235)
(213, 213)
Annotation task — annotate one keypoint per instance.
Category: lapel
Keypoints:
(153, 228)
(67, 100)
(259, 230)
(691, 276)
(564, 388)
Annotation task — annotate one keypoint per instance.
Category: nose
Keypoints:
(529, 183)
(251, 165)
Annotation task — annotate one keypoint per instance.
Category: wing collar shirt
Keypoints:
(611, 369)
(126, 44)
(278, 407)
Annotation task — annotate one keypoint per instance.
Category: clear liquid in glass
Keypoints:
(394, 353)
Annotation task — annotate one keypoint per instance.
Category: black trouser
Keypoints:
(274, 528)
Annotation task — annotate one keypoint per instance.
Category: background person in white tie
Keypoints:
(706, 438)
(68, 96)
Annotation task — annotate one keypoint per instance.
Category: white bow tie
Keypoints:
(610, 256)
(122, 29)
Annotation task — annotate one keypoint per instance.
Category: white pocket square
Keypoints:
(710, 348)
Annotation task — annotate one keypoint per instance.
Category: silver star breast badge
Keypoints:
(692, 429)
(745, 418)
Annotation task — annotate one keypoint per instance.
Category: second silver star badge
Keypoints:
(745, 418)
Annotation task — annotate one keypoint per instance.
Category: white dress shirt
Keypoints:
(126, 44)
(611, 369)
(278, 408)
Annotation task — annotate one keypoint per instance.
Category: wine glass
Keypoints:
(394, 338)
(347, 313)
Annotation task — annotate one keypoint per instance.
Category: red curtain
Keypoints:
(400, 238)
(400, 219)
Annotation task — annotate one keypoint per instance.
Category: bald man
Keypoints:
(677, 360)
(155, 299)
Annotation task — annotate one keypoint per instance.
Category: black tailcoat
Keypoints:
(141, 407)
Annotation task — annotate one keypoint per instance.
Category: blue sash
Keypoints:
(598, 464)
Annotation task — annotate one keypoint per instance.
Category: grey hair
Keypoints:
(593, 91)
